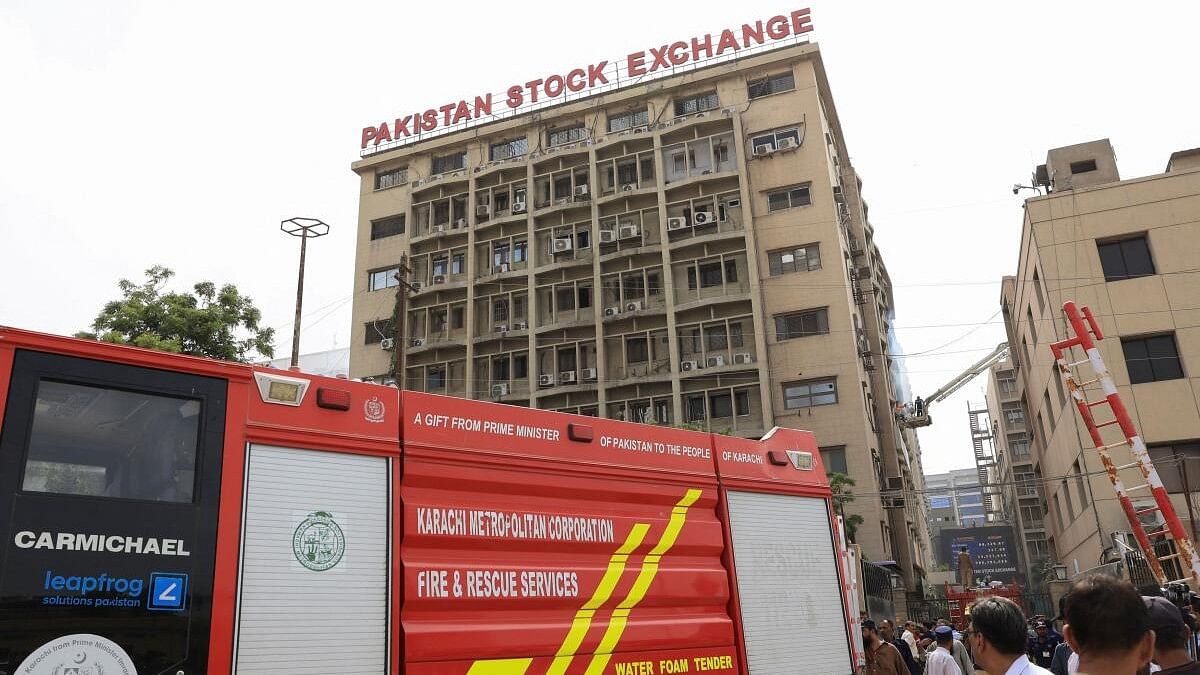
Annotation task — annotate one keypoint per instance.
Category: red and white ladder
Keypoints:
(1172, 528)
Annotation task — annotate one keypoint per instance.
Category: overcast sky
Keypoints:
(141, 133)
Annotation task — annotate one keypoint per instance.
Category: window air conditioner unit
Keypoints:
(461, 222)
(608, 236)
(612, 311)
(714, 361)
(688, 366)
(483, 210)
(499, 390)
(501, 268)
(500, 328)
(518, 206)
(561, 245)
(837, 194)
(634, 305)
(788, 143)
(763, 149)
(702, 218)
(520, 325)
(677, 223)
(439, 278)
(566, 377)
(417, 286)
(417, 342)
(439, 228)
(743, 358)
(630, 232)
(545, 380)
(589, 374)
(628, 187)
(387, 344)
(581, 190)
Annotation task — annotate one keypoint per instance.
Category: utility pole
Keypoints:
(399, 312)
(305, 228)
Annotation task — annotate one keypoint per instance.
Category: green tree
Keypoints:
(840, 484)
(218, 323)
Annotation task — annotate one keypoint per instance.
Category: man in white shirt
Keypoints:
(998, 637)
(940, 661)
(910, 639)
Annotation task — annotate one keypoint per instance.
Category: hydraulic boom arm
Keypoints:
(919, 416)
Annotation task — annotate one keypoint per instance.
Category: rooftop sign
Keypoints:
(595, 78)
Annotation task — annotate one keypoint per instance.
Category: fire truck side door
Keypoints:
(109, 489)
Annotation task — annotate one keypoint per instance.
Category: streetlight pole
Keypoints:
(305, 229)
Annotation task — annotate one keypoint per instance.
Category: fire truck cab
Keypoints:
(168, 514)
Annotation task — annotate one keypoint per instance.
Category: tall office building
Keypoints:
(689, 250)
(1128, 250)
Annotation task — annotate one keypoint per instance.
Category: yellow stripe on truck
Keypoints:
(616, 627)
(583, 618)
(500, 667)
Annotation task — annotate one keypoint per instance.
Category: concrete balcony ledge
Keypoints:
(563, 263)
(521, 335)
(557, 388)
(435, 343)
(496, 165)
(614, 195)
(702, 237)
(649, 310)
(560, 205)
(564, 325)
(701, 177)
(501, 276)
(448, 285)
(433, 234)
(655, 247)
(743, 296)
(508, 217)
(704, 370)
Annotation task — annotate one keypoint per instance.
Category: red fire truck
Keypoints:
(168, 514)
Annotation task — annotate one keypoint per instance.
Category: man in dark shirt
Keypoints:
(882, 657)
(1041, 647)
(887, 632)
(1171, 635)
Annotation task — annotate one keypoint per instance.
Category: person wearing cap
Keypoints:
(1043, 644)
(997, 638)
(957, 650)
(1171, 635)
(882, 657)
(940, 661)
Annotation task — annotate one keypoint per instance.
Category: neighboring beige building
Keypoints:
(1129, 250)
(1017, 474)
(692, 250)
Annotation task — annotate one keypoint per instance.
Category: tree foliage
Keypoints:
(218, 323)
(839, 485)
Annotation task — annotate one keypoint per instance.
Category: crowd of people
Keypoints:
(1108, 628)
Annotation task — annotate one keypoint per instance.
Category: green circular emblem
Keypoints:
(318, 542)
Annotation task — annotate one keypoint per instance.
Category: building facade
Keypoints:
(689, 251)
(955, 500)
(1021, 495)
(1128, 249)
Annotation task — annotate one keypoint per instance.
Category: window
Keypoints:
(1083, 166)
(1048, 406)
(834, 459)
(634, 286)
(446, 163)
(715, 338)
(1037, 292)
(437, 321)
(772, 84)
(805, 258)
(390, 178)
(695, 408)
(381, 279)
(520, 252)
(810, 393)
(458, 263)
(508, 149)
(1125, 259)
(1032, 324)
(1151, 359)
(1178, 465)
(100, 442)
(801, 324)
(721, 404)
(500, 368)
(500, 310)
(583, 239)
(695, 104)
(741, 403)
(520, 366)
(637, 350)
(440, 264)
(585, 297)
(789, 198)
(1018, 445)
(435, 379)
(709, 275)
(563, 136)
(1014, 412)
(629, 120)
(500, 254)
(387, 227)
(1079, 485)
(457, 317)
(566, 298)
(377, 330)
